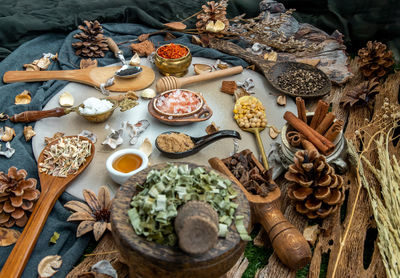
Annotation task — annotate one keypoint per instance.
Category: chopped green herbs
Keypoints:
(155, 207)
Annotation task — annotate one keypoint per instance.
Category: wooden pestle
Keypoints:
(170, 82)
(197, 227)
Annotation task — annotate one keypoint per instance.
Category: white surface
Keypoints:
(222, 105)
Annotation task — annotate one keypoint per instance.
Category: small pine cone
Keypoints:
(93, 43)
(316, 190)
(213, 12)
(375, 59)
(17, 196)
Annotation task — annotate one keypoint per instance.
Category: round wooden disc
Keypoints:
(149, 259)
(142, 81)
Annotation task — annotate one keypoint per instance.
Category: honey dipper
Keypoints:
(170, 82)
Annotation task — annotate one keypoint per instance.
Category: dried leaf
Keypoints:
(8, 236)
(28, 133)
(8, 134)
(23, 98)
(281, 100)
(88, 63)
(98, 229)
(179, 26)
(362, 93)
(54, 238)
(84, 227)
(47, 266)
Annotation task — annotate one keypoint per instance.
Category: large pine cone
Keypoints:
(17, 196)
(316, 190)
(375, 59)
(212, 12)
(93, 43)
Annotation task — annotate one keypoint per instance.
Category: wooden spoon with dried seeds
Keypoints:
(51, 189)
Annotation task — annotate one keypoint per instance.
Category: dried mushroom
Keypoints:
(31, 67)
(48, 266)
(146, 147)
(23, 98)
(8, 236)
(3, 117)
(8, 152)
(28, 133)
(8, 134)
(281, 100)
(273, 132)
(89, 135)
(212, 128)
(94, 214)
(201, 68)
(135, 60)
(66, 100)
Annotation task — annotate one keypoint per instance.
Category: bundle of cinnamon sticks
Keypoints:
(320, 131)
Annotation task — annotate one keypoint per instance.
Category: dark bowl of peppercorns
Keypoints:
(299, 80)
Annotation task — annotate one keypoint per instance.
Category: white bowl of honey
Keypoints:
(123, 164)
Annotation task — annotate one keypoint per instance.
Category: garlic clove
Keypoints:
(146, 147)
(215, 27)
(66, 100)
(201, 68)
(148, 93)
(281, 100)
(8, 135)
(23, 98)
(135, 60)
(28, 133)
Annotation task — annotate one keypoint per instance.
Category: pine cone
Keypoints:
(17, 196)
(362, 93)
(211, 13)
(316, 190)
(93, 43)
(375, 59)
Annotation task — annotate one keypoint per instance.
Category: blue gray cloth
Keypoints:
(68, 246)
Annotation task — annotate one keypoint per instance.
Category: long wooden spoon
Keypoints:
(51, 189)
(92, 76)
(289, 244)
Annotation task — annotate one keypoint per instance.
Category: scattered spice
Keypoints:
(66, 156)
(301, 81)
(154, 209)
(175, 142)
(172, 51)
(249, 175)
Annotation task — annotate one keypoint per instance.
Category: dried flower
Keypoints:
(362, 93)
(95, 214)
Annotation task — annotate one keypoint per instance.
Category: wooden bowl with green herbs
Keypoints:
(151, 259)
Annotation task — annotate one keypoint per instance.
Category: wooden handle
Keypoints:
(113, 46)
(15, 264)
(208, 76)
(33, 76)
(289, 244)
(32, 116)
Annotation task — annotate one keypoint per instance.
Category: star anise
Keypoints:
(362, 93)
(95, 214)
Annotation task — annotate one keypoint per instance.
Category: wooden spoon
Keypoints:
(51, 189)
(170, 82)
(289, 244)
(92, 76)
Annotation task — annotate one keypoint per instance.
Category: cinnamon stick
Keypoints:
(334, 130)
(319, 114)
(294, 138)
(325, 123)
(301, 109)
(319, 141)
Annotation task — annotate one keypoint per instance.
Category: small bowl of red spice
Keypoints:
(173, 59)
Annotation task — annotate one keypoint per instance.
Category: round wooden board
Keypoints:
(149, 259)
(143, 80)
